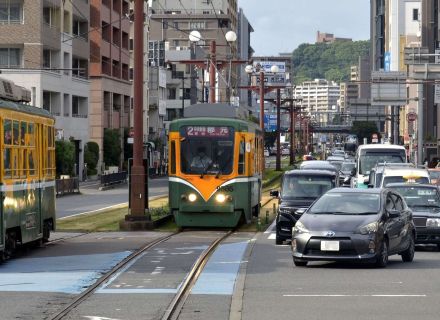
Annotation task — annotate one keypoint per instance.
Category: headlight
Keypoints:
(300, 228)
(433, 223)
(369, 228)
(192, 197)
(284, 210)
(220, 198)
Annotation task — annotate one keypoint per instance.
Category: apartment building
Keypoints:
(171, 23)
(320, 98)
(111, 89)
(245, 52)
(44, 46)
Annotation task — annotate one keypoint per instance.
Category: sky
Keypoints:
(282, 25)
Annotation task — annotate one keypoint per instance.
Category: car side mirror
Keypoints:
(393, 213)
(274, 193)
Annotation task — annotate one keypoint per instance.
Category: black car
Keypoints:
(299, 188)
(355, 225)
(424, 201)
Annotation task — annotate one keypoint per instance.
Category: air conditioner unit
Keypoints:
(177, 48)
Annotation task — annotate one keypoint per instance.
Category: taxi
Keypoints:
(434, 174)
(404, 175)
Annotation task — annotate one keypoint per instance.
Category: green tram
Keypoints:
(215, 167)
(27, 171)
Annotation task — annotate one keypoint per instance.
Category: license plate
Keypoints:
(329, 245)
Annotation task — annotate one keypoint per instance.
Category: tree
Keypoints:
(112, 147)
(331, 61)
(91, 157)
(364, 129)
(65, 157)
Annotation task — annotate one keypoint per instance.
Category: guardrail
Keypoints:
(66, 186)
(113, 178)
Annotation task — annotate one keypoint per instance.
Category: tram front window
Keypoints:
(207, 150)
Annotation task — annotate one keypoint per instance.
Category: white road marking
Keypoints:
(94, 211)
(178, 253)
(357, 295)
(272, 236)
(99, 318)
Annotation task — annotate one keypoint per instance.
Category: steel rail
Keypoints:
(83, 296)
(176, 305)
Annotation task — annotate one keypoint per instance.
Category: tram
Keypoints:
(27, 170)
(215, 167)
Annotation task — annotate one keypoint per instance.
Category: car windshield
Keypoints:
(207, 150)
(397, 179)
(347, 166)
(346, 203)
(434, 174)
(419, 196)
(370, 159)
(310, 186)
(336, 164)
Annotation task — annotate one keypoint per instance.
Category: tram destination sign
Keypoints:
(207, 131)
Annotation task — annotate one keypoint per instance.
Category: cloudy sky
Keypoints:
(282, 25)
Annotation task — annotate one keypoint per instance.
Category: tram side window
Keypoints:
(24, 165)
(7, 163)
(7, 128)
(241, 158)
(23, 133)
(15, 132)
(31, 133)
(173, 158)
(15, 163)
(31, 162)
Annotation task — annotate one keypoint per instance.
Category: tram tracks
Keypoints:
(174, 308)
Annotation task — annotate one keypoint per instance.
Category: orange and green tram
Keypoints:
(215, 171)
(27, 175)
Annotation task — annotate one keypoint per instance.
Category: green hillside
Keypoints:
(331, 61)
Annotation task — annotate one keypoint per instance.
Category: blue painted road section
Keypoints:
(219, 274)
(65, 274)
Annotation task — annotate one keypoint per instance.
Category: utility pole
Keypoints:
(278, 159)
(139, 217)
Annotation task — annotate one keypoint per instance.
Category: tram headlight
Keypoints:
(220, 198)
(192, 197)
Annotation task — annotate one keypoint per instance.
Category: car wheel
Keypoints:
(408, 254)
(382, 256)
(299, 263)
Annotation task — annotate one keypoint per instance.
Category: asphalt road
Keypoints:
(91, 198)
(276, 289)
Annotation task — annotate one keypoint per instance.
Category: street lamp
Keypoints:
(213, 64)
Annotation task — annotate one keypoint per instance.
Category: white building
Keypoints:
(319, 97)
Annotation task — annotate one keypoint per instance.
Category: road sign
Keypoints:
(374, 138)
(411, 116)
(130, 140)
(388, 88)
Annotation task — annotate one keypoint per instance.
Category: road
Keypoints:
(91, 198)
(275, 288)
(248, 278)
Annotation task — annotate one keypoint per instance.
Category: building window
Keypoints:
(79, 68)
(11, 11)
(80, 28)
(75, 105)
(416, 14)
(10, 57)
(164, 24)
(196, 25)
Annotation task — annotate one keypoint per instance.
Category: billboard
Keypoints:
(270, 122)
(265, 66)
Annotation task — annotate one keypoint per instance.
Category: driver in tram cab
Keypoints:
(201, 160)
